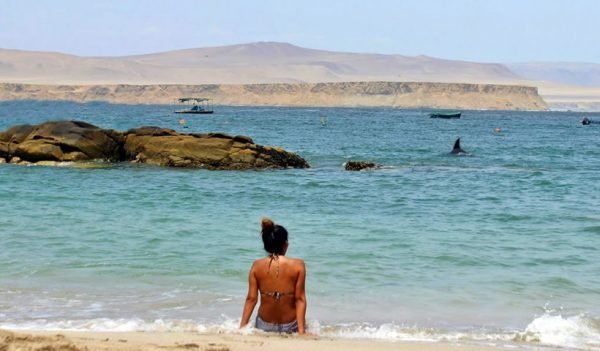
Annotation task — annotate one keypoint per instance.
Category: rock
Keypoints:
(17, 133)
(165, 147)
(11, 137)
(61, 141)
(220, 135)
(2, 160)
(360, 165)
(243, 139)
(151, 131)
(66, 141)
(17, 161)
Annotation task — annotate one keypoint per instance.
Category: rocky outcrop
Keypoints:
(347, 94)
(165, 147)
(360, 165)
(65, 141)
(61, 141)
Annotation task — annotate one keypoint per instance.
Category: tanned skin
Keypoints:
(290, 280)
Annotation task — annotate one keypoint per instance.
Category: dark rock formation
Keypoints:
(360, 165)
(165, 147)
(61, 141)
(79, 141)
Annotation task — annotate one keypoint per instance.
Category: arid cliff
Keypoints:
(350, 94)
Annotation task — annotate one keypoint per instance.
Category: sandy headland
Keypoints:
(237, 71)
(336, 94)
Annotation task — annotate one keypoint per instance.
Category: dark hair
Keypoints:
(274, 236)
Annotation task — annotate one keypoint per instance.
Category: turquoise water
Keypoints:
(501, 246)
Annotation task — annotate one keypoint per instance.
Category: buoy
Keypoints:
(182, 121)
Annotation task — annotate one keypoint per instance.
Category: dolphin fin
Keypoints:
(456, 149)
(457, 145)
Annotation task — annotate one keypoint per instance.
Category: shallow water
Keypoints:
(499, 246)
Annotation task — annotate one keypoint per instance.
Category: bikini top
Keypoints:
(275, 294)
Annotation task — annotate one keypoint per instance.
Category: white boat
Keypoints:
(195, 105)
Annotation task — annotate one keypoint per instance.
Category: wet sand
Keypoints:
(129, 341)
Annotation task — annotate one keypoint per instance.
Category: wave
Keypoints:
(580, 331)
(574, 332)
(592, 229)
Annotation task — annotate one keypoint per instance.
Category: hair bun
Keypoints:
(267, 225)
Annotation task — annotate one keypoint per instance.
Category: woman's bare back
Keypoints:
(280, 282)
(277, 278)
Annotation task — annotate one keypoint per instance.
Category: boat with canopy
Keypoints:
(194, 105)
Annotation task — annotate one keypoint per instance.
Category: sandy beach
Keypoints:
(128, 341)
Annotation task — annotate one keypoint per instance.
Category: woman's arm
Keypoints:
(251, 298)
(300, 296)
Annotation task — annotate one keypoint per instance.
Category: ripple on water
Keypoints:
(595, 229)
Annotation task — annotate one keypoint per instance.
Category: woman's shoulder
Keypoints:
(296, 262)
(264, 261)
(259, 261)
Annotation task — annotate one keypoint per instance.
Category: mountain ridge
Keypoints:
(303, 64)
(273, 63)
(261, 62)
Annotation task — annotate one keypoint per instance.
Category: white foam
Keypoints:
(229, 325)
(396, 332)
(52, 164)
(581, 331)
(108, 325)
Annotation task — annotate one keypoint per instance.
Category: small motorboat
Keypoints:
(446, 115)
(195, 105)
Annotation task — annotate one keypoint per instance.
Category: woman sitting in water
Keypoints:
(280, 281)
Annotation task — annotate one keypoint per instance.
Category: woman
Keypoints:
(280, 282)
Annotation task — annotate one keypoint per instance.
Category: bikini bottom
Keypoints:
(291, 327)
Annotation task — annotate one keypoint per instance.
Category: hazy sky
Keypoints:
(474, 30)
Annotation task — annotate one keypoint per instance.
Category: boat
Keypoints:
(445, 115)
(195, 105)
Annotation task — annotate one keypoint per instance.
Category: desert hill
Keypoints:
(263, 62)
(563, 86)
(567, 73)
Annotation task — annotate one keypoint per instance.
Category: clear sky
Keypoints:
(473, 30)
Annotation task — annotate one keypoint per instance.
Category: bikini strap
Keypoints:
(275, 257)
(276, 294)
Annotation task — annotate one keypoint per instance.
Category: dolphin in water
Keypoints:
(456, 150)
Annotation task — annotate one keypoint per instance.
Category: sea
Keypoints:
(497, 247)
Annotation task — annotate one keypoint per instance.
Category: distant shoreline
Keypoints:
(335, 94)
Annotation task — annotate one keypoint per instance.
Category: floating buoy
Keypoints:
(323, 121)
